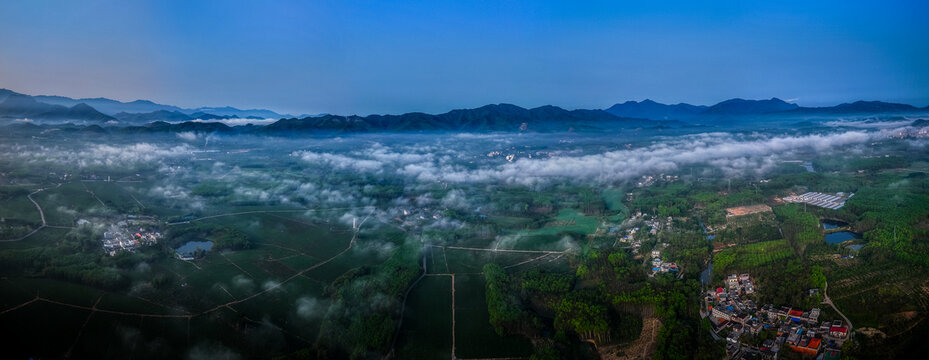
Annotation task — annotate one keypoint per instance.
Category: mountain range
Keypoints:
(495, 117)
(144, 115)
(649, 109)
(24, 106)
(113, 107)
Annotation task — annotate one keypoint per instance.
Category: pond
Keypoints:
(190, 247)
(841, 236)
(832, 224)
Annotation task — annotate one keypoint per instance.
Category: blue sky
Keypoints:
(363, 57)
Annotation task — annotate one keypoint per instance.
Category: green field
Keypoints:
(290, 313)
(427, 321)
(42, 330)
(475, 337)
(751, 256)
(567, 221)
(512, 268)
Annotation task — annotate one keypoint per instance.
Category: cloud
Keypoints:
(271, 285)
(242, 282)
(100, 155)
(187, 135)
(237, 121)
(339, 161)
(868, 124)
(459, 160)
(309, 308)
(456, 199)
(722, 150)
(68, 211)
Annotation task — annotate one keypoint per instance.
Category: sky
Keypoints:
(376, 57)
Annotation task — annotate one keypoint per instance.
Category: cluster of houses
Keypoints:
(660, 266)
(632, 226)
(733, 313)
(648, 180)
(129, 234)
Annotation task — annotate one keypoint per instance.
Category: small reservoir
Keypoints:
(832, 224)
(838, 236)
(187, 250)
(841, 236)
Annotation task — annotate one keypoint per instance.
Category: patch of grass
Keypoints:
(427, 321)
(41, 330)
(567, 221)
(475, 337)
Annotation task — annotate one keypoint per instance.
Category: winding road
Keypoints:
(265, 212)
(217, 307)
(827, 300)
(41, 214)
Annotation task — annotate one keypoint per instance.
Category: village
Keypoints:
(752, 332)
(629, 234)
(631, 226)
(129, 234)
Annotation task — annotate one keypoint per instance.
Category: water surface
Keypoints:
(190, 247)
(841, 236)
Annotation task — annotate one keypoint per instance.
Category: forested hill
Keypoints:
(498, 117)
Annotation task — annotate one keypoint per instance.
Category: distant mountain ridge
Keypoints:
(112, 107)
(861, 107)
(24, 106)
(171, 116)
(742, 106)
(648, 109)
(494, 117)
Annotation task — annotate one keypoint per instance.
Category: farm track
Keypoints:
(406, 295)
(642, 348)
(429, 253)
(264, 212)
(502, 250)
(228, 305)
(81, 332)
(828, 301)
(217, 307)
(41, 215)
(136, 200)
(351, 243)
(236, 265)
(93, 195)
(20, 305)
(526, 261)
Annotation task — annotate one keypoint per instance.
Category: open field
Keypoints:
(475, 338)
(427, 321)
(262, 283)
(567, 221)
(322, 245)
